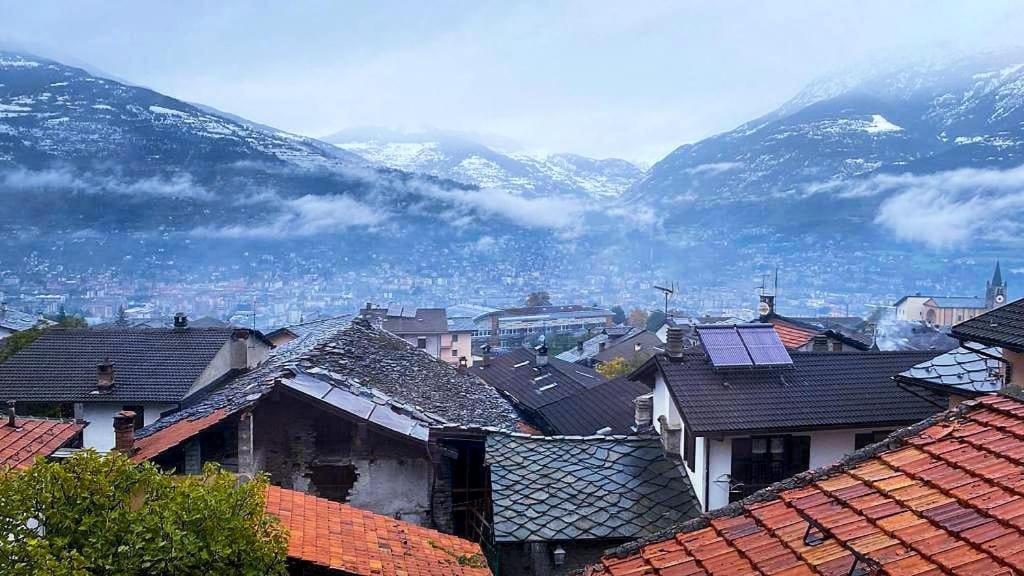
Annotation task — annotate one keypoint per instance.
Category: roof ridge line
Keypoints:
(895, 440)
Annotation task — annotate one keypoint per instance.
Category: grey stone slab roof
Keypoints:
(350, 364)
(820, 390)
(584, 488)
(314, 327)
(959, 370)
(1003, 326)
(16, 321)
(150, 364)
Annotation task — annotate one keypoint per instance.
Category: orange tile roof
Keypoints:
(792, 335)
(947, 499)
(355, 541)
(167, 438)
(33, 437)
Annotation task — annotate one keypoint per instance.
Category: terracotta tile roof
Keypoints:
(943, 497)
(33, 437)
(355, 541)
(166, 438)
(793, 335)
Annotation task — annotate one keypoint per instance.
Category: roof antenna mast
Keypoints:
(668, 292)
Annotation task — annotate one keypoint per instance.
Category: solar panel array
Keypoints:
(743, 345)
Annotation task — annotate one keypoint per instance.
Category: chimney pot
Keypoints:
(124, 432)
(12, 417)
(579, 346)
(105, 376)
(180, 320)
(542, 355)
(674, 343)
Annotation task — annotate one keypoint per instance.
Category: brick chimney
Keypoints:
(12, 416)
(124, 432)
(674, 343)
(104, 376)
(180, 320)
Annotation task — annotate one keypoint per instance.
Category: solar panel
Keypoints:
(764, 345)
(394, 310)
(408, 312)
(724, 346)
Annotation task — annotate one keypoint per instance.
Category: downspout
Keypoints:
(707, 474)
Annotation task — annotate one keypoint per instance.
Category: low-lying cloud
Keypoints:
(713, 168)
(953, 208)
(304, 216)
(179, 185)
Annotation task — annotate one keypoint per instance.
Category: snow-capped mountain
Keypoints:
(460, 158)
(834, 154)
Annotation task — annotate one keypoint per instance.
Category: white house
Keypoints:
(96, 373)
(743, 413)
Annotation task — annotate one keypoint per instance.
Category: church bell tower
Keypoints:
(995, 290)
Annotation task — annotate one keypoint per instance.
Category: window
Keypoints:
(867, 438)
(689, 448)
(819, 344)
(455, 353)
(761, 461)
(455, 338)
(837, 346)
(421, 343)
(140, 414)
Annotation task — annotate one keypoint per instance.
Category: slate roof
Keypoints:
(618, 343)
(33, 437)
(606, 405)
(892, 335)
(573, 488)
(150, 364)
(943, 497)
(819, 390)
(426, 321)
(961, 371)
(313, 326)
(17, 321)
(340, 537)
(356, 368)
(461, 325)
(516, 374)
(1003, 327)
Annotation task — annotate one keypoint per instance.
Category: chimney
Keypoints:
(124, 432)
(766, 307)
(104, 376)
(579, 346)
(674, 344)
(542, 355)
(485, 353)
(12, 416)
(601, 346)
(180, 320)
(644, 411)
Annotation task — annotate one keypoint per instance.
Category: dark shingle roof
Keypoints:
(607, 405)
(820, 390)
(572, 488)
(515, 373)
(1000, 327)
(358, 360)
(150, 364)
(422, 321)
(617, 343)
(961, 371)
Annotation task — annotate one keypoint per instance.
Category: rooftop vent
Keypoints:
(104, 376)
(180, 320)
(674, 344)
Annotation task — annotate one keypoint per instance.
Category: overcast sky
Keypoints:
(626, 79)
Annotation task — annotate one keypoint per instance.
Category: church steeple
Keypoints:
(995, 290)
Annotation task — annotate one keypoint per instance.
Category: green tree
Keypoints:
(18, 341)
(541, 298)
(655, 320)
(105, 516)
(122, 316)
(620, 314)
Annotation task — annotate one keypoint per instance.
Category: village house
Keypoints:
(743, 412)
(939, 497)
(12, 321)
(344, 413)
(817, 334)
(22, 440)
(634, 345)
(511, 327)
(93, 374)
(560, 397)
(1002, 328)
(559, 502)
(946, 311)
(428, 329)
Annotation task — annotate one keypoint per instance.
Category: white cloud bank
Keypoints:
(950, 209)
(304, 216)
(177, 186)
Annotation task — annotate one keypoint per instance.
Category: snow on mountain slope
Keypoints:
(464, 160)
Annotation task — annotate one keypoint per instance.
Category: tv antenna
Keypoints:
(668, 292)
